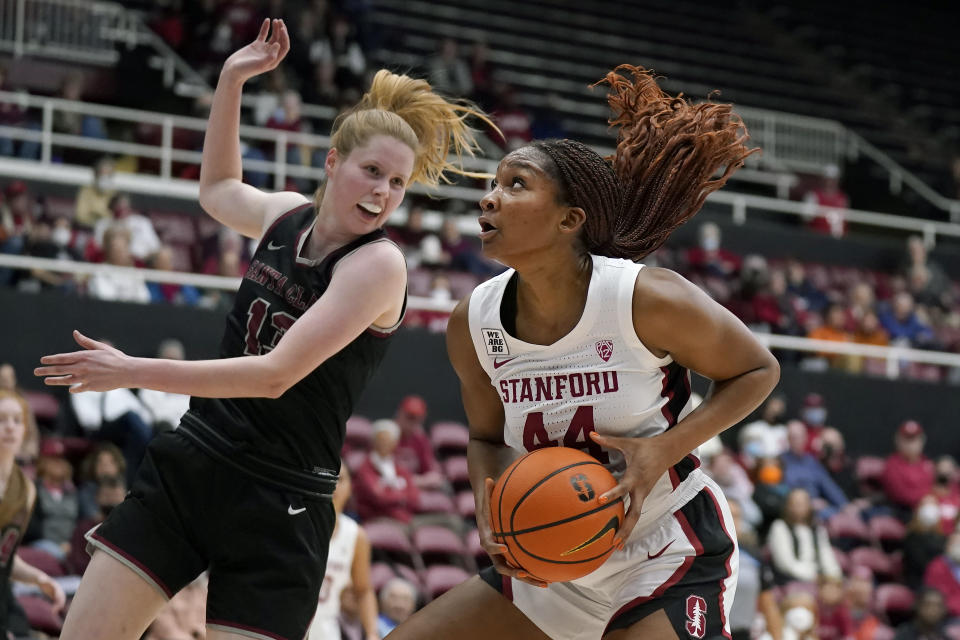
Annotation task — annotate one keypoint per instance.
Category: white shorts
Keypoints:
(684, 562)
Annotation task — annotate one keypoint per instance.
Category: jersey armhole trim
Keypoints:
(644, 356)
(373, 329)
(278, 220)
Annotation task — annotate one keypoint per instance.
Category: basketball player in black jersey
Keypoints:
(243, 487)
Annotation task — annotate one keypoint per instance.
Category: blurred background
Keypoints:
(839, 246)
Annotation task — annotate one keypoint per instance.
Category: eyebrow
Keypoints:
(521, 164)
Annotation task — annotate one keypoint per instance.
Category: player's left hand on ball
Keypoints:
(645, 465)
(99, 367)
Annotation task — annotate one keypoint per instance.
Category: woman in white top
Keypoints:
(799, 547)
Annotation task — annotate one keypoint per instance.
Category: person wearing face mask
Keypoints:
(929, 620)
(925, 540)
(942, 574)
(799, 617)
(947, 490)
(93, 200)
(908, 474)
(814, 417)
(708, 259)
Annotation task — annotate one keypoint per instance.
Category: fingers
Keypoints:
(53, 371)
(629, 521)
(264, 30)
(610, 442)
(616, 493)
(59, 381)
(87, 343)
(284, 39)
(503, 568)
(62, 358)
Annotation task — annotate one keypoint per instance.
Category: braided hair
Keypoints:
(668, 151)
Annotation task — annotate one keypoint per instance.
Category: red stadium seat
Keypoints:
(359, 433)
(435, 502)
(847, 530)
(466, 506)
(174, 227)
(41, 560)
(870, 468)
(893, 601)
(475, 549)
(40, 614)
(44, 405)
(354, 459)
(461, 283)
(887, 531)
(419, 282)
(380, 574)
(439, 545)
(449, 438)
(389, 541)
(842, 559)
(455, 469)
(882, 565)
(441, 578)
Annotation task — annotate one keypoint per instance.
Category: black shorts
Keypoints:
(265, 549)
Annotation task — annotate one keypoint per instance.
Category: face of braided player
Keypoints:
(524, 217)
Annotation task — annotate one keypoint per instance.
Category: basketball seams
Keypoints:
(544, 480)
(555, 523)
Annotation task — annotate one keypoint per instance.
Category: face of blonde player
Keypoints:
(521, 214)
(376, 174)
(12, 426)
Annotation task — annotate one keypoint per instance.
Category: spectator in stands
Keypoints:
(908, 474)
(73, 123)
(799, 546)
(903, 324)
(225, 242)
(412, 232)
(754, 597)
(13, 114)
(110, 491)
(833, 612)
(860, 600)
(440, 290)
(514, 121)
(383, 487)
(870, 332)
(398, 601)
(113, 285)
(481, 74)
(48, 238)
(16, 219)
(115, 416)
(833, 456)
(168, 292)
(144, 241)
(828, 204)
(322, 90)
(288, 117)
(925, 291)
(93, 200)
(8, 377)
(166, 408)
(708, 258)
(308, 38)
(935, 283)
(946, 488)
(799, 285)
(775, 308)
(346, 53)
(30, 447)
(925, 541)
(105, 461)
(862, 300)
(57, 508)
(802, 470)
(814, 417)
(414, 451)
(929, 621)
(736, 485)
(799, 616)
(833, 329)
(766, 436)
(448, 73)
(770, 492)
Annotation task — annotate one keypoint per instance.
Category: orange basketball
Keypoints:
(545, 508)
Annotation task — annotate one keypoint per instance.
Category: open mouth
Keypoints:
(486, 229)
(369, 209)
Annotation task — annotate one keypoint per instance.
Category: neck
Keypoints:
(7, 463)
(551, 295)
(326, 236)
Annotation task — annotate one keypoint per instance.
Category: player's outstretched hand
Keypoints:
(645, 464)
(261, 55)
(99, 367)
(495, 550)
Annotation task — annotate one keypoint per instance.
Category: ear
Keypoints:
(573, 220)
(330, 163)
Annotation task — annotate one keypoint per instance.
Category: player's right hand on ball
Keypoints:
(494, 549)
(261, 55)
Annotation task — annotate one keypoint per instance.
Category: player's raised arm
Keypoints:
(222, 192)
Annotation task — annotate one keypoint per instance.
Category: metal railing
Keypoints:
(892, 356)
(166, 156)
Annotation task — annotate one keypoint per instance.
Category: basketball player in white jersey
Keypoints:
(348, 567)
(577, 345)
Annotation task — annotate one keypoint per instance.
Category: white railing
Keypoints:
(164, 183)
(893, 356)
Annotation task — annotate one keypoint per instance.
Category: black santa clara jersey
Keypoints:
(303, 430)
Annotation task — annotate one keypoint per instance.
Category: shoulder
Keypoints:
(29, 489)
(381, 256)
(656, 286)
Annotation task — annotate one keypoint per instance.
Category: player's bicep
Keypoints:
(674, 315)
(246, 209)
(481, 402)
(341, 314)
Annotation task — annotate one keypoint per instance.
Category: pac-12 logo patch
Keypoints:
(605, 349)
(495, 342)
(696, 616)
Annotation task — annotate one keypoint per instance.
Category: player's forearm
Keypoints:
(23, 572)
(368, 612)
(243, 377)
(729, 402)
(221, 142)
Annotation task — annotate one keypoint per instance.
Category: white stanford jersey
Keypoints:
(597, 377)
(339, 565)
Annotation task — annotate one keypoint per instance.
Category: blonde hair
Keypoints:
(408, 110)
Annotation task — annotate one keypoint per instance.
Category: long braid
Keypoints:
(659, 175)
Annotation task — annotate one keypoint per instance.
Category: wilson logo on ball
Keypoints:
(583, 488)
(605, 349)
